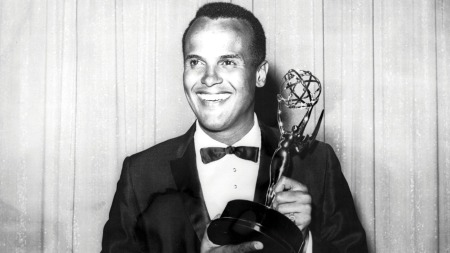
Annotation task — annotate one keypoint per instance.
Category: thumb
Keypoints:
(206, 244)
(281, 185)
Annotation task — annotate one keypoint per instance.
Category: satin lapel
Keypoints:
(269, 142)
(185, 174)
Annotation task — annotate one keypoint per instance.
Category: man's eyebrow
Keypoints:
(222, 57)
(231, 56)
(192, 56)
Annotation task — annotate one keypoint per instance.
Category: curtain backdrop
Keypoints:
(85, 83)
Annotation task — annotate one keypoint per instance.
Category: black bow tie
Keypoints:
(215, 153)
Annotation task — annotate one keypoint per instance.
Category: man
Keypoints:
(168, 194)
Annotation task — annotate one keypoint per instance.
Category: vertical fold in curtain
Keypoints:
(405, 126)
(349, 102)
(22, 123)
(443, 118)
(60, 122)
(96, 154)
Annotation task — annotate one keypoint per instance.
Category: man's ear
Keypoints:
(261, 74)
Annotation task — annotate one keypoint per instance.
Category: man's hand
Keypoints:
(207, 246)
(293, 200)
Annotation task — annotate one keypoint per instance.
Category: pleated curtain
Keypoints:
(85, 83)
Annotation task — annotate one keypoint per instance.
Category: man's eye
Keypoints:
(228, 62)
(193, 62)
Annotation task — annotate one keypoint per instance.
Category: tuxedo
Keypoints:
(159, 207)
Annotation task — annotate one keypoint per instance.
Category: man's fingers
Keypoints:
(288, 184)
(243, 247)
(293, 200)
(293, 196)
(289, 191)
(287, 208)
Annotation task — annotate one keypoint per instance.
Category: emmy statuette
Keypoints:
(244, 220)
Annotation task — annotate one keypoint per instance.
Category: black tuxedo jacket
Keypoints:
(159, 206)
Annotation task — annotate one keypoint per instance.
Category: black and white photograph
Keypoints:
(283, 126)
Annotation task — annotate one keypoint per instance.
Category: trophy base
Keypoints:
(244, 221)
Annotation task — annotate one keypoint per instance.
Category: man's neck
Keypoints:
(230, 137)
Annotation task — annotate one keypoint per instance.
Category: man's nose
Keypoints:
(211, 77)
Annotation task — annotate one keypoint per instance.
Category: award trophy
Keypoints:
(244, 220)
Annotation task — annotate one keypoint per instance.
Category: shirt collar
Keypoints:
(252, 138)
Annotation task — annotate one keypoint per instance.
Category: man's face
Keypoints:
(219, 74)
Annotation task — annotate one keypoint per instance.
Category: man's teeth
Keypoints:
(214, 97)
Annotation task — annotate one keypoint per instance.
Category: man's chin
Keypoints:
(212, 126)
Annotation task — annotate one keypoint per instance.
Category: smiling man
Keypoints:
(168, 194)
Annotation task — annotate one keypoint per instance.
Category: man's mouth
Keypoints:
(213, 97)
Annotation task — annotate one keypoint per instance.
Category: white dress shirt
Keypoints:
(230, 177)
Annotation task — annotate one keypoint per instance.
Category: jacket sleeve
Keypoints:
(340, 229)
(119, 233)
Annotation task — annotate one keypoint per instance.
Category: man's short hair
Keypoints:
(228, 10)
